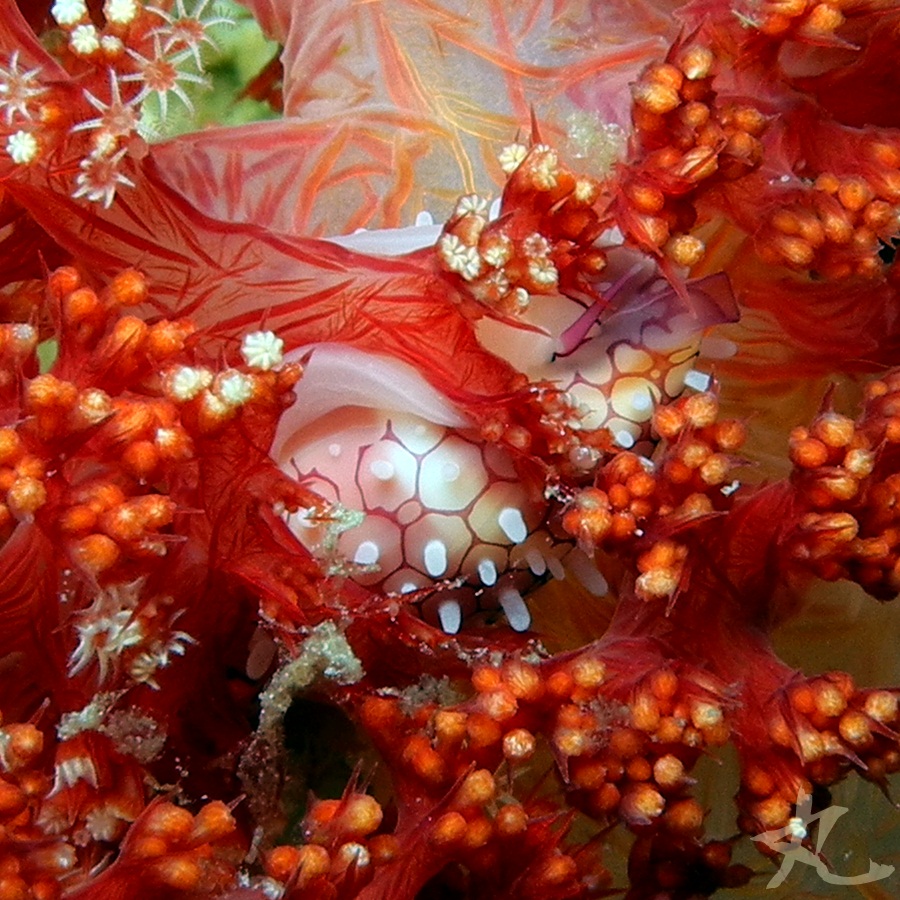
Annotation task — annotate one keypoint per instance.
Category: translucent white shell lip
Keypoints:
(392, 241)
(337, 375)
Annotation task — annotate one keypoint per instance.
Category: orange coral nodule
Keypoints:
(82, 306)
(63, 281)
(212, 822)
(11, 446)
(511, 820)
(141, 459)
(669, 772)
(519, 745)
(661, 570)
(383, 848)
(48, 391)
(148, 847)
(449, 727)
(882, 706)
(654, 97)
(448, 830)
(426, 762)
(486, 679)
(171, 823)
(684, 250)
(14, 888)
(833, 429)
(645, 712)
(477, 789)
(589, 519)
(483, 731)
(695, 61)
(557, 870)
(669, 421)
(180, 871)
(313, 862)
(380, 715)
(12, 800)
(320, 815)
(684, 817)
(500, 705)
(523, 681)
(25, 497)
(588, 672)
(350, 857)
(167, 338)
(359, 816)
(17, 342)
(22, 743)
(122, 344)
(282, 862)
(128, 288)
(856, 729)
(805, 451)
(96, 553)
(137, 517)
(641, 804)
(479, 832)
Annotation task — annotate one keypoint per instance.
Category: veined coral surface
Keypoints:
(473, 475)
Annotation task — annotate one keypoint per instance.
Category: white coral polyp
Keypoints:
(69, 12)
(511, 157)
(160, 75)
(187, 382)
(22, 147)
(120, 12)
(457, 257)
(18, 89)
(112, 46)
(262, 350)
(104, 638)
(84, 40)
(235, 388)
(543, 272)
(100, 177)
(471, 204)
(118, 118)
(188, 31)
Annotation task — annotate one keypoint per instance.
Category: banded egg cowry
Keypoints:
(421, 504)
